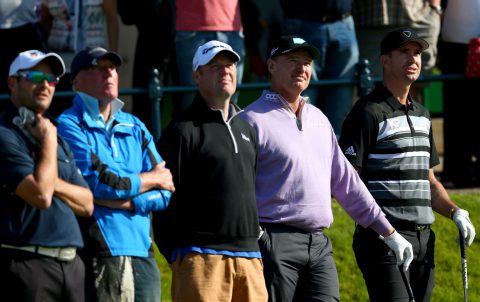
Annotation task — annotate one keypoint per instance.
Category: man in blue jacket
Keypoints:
(117, 156)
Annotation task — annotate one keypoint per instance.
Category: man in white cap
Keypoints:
(117, 156)
(209, 232)
(41, 190)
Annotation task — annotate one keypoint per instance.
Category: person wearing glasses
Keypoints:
(41, 190)
(118, 158)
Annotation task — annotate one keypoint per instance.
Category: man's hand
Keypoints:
(401, 247)
(43, 130)
(158, 178)
(163, 177)
(462, 220)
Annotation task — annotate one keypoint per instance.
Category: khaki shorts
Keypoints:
(204, 277)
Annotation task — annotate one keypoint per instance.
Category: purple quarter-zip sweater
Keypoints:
(300, 166)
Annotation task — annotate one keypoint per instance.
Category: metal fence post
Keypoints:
(365, 80)
(155, 94)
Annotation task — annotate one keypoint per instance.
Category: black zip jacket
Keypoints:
(213, 163)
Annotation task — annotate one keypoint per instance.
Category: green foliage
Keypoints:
(448, 274)
(165, 275)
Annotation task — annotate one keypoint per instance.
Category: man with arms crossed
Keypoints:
(118, 159)
(41, 191)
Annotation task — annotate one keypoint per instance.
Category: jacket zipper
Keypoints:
(233, 137)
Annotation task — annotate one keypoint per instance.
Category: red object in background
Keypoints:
(472, 69)
(258, 66)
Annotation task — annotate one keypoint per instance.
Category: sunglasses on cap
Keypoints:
(37, 77)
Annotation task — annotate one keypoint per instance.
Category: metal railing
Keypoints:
(155, 91)
(363, 80)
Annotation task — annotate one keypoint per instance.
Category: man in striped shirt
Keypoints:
(388, 138)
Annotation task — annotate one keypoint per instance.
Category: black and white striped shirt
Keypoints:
(393, 144)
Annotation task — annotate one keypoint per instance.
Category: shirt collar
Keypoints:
(91, 104)
(200, 107)
(392, 101)
(276, 97)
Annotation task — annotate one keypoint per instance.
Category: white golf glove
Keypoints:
(461, 219)
(401, 247)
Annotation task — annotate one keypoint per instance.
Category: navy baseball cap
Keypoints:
(89, 57)
(288, 44)
(396, 38)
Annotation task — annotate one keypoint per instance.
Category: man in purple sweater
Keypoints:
(300, 166)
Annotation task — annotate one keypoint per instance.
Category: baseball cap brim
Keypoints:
(206, 52)
(312, 50)
(112, 56)
(398, 37)
(23, 62)
(287, 44)
(423, 45)
(89, 57)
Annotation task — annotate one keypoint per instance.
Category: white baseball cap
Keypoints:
(206, 52)
(30, 58)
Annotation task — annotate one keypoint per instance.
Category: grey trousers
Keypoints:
(298, 265)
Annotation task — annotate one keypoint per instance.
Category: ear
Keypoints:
(384, 59)
(196, 76)
(270, 65)
(11, 82)
(74, 83)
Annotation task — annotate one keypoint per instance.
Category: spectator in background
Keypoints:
(118, 158)
(262, 23)
(73, 25)
(41, 191)
(19, 31)
(329, 26)
(300, 166)
(154, 47)
(374, 19)
(460, 108)
(388, 138)
(197, 22)
(210, 230)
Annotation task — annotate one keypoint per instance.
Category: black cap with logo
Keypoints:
(287, 44)
(396, 38)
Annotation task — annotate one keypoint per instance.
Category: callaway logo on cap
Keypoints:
(206, 52)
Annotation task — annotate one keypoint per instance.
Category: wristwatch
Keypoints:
(437, 8)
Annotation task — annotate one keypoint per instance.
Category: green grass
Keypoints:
(448, 275)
